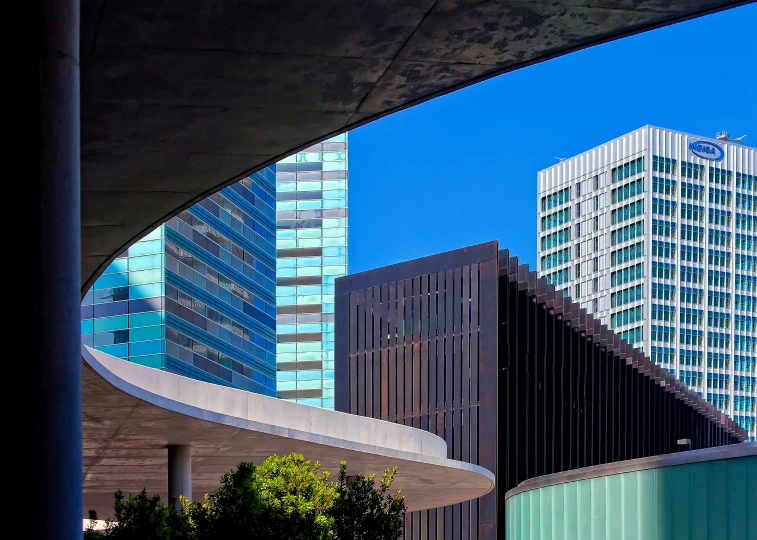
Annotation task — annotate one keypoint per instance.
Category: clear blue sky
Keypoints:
(461, 169)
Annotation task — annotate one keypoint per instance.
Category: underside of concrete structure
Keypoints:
(134, 416)
(180, 98)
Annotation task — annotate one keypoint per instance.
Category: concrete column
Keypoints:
(179, 473)
(54, 278)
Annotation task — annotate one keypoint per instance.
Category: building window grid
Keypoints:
(716, 257)
(624, 234)
(628, 253)
(144, 336)
(323, 185)
(626, 275)
(555, 199)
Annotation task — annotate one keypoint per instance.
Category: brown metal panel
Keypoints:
(383, 343)
(353, 352)
(376, 347)
(408, 351)
(433, 362)
(361, 382)
(457, 374)
(465, 404)
(400, 352)
(448, 384)
(424, 378)
(487, 376)
(441, 284)
(417, 384)
(465, 372)
(369, 335)
(448, 334)
(342, 329)
(474, 365)
(391, 350)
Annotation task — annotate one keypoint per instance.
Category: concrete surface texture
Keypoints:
(133, 413)
(182, 97)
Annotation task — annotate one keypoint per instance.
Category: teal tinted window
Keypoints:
(145, 276)
(145, 248)
(111, 323)
(157, 361)
(146, 319)
(147, 261)
(145, 291)
(146, 333)
(146, 347)
(112, 280)
(121, 350)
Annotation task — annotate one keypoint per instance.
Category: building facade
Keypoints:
(517, 378)
(654, 233)
(197, 296)
(689, 495)
(311, 221)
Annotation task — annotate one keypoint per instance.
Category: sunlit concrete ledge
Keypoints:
(131, 414)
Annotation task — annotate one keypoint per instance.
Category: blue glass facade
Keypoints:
(312, 221)
(197, 296)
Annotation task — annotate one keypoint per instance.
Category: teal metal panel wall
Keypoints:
(707, 500)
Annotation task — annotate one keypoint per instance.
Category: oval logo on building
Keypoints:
(706, 150)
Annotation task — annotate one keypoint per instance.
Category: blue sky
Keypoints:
(461, 169)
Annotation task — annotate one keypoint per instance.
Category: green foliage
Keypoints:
(285, 498)
(231, 510)
(296, 498)
(364, 512)
(141, 517)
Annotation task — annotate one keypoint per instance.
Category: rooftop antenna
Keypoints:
(739, 139)
(561, 159)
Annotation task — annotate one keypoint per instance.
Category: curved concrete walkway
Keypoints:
(132, 413)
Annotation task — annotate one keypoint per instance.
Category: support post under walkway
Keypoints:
(179, 473)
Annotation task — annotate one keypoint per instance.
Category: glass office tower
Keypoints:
(197, 295)
(654, 233)
(311, 221)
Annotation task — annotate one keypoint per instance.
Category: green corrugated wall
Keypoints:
(708, 500)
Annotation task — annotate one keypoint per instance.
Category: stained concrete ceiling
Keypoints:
(182, 97)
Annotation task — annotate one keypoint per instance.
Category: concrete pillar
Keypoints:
(54, 278)
(179, 473)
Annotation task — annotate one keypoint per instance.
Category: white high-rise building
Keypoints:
(654, 233)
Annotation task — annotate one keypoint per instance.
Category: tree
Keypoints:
(141, 517)
(284, 498)
(362, 511)
(232, 511)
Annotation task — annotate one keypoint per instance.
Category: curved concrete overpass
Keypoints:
(133, 413)
(180, 98)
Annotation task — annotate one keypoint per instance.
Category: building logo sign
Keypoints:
(706, 150)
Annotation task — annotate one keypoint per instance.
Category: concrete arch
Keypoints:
(180, 98)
